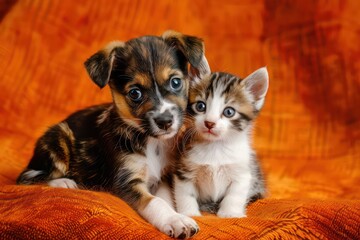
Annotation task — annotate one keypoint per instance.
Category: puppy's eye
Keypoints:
(200, 106)
(229, 112)
(175, 83)
(135, 94)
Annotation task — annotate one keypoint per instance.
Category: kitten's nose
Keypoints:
(209, 125)
(164, 121)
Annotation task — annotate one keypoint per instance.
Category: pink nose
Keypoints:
(209, 125)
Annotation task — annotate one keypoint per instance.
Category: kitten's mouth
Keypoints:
(210, 136)
(211, 133)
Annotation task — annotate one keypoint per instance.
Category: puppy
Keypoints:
(121, 147)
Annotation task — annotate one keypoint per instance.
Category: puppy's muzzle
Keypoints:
(164, 121)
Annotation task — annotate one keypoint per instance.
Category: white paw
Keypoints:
(230, 213)
(191, 213)
(63, 183)
(180, 226)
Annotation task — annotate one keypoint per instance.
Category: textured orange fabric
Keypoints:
(307, 136)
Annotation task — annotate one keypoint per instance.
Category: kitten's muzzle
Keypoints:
(164, 121)
(209, 125)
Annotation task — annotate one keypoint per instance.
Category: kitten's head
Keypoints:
(222, 104)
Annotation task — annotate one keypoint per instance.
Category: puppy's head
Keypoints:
(149, 78)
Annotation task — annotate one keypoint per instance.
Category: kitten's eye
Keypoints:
(135, 94)
(175, 83)
(229, 112)
(200, 106)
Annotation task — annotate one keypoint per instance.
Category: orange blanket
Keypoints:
(307, 136)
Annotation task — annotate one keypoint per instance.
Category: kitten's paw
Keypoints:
(180, 226)
(229, 213)
(63, 183)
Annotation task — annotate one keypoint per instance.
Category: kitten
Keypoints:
(217, 170)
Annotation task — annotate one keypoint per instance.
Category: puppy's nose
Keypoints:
(209, 125)
(164, 121)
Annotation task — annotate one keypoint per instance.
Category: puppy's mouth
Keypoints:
(162, 130)
(164, 133)
(164, 122)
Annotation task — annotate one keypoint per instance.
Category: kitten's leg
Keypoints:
(258, 188)
(185, 194)
(51, 158)
(234, 202)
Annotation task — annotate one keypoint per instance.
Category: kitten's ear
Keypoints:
(257, 84)
(193, 49)
(100, 64)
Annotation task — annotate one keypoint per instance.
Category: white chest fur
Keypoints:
(216, 165)
(156, 160)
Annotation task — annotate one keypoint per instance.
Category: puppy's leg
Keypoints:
(63, 183)
(164, 192)
(234, 202)
(51, 159)
(185, 194)
(130, 185)
(160, 214)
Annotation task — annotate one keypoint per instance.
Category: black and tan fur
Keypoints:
(106, 146)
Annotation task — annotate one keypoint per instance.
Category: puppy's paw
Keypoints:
(230, 213)
(180, 226)
(63, 183)
(191, 213)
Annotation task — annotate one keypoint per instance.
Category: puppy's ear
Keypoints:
(100, 64)
(193, 49)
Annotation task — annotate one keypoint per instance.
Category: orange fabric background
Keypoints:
(307, 136)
